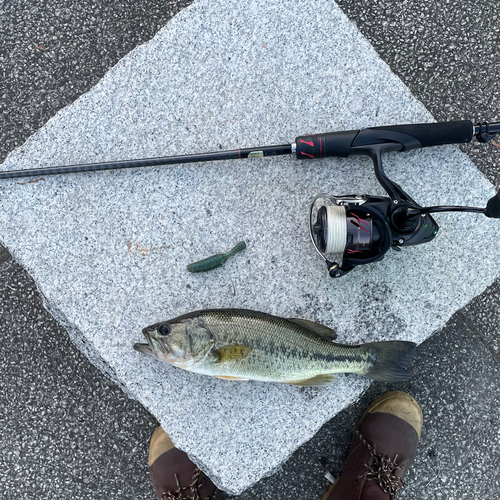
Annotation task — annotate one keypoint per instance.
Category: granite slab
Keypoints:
(109, 250)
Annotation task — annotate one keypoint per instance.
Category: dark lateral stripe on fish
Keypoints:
(293, 352)
(356, 358)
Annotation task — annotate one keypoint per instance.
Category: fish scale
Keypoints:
(281, 346)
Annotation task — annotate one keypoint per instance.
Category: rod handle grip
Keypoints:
(420, 135)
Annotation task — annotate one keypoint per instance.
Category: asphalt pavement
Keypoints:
(67, 432)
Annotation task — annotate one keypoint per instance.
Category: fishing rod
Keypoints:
(360, 227)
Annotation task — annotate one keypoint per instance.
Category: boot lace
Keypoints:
(190, 492)
(382, 469)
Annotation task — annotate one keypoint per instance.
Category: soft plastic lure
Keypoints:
(215, 260)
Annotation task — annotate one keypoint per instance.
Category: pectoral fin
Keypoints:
(317, 380)
(322, 331)
(231, 353)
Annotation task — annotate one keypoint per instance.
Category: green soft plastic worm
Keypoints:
(215, 260)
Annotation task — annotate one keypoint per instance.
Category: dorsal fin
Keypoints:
(232, 353)
(322, 331)
(318, 380)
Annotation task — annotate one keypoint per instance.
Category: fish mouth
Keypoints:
(153, 346)
(145, 349)
(148, 331)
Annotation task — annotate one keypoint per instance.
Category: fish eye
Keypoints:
(164, 330)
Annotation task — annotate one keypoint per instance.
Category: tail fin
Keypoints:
(387, 360)
(238, 248)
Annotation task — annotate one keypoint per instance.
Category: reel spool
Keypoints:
(338, 230)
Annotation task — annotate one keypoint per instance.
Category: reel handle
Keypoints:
(493, 207)
(420, 135)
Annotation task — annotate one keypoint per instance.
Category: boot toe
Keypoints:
(173, 473)
(383, 448)
(401, 405)
(159, 444)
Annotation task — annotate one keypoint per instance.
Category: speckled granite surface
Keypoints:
(109, 250)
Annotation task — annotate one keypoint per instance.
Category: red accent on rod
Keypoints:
(307, 154)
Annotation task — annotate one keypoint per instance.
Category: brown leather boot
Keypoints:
(174, 476)
(383, 449)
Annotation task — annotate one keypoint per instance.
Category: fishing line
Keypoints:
(336, 229)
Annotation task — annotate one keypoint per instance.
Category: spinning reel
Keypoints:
(363, 228)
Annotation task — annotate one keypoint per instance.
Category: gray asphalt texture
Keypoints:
(67, 432)
(52, 52)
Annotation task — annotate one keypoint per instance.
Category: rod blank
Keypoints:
(234, 154)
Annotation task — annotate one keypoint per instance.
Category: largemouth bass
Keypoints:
(238, 344)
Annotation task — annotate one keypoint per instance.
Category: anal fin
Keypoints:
(318, 380)
(227, 377)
